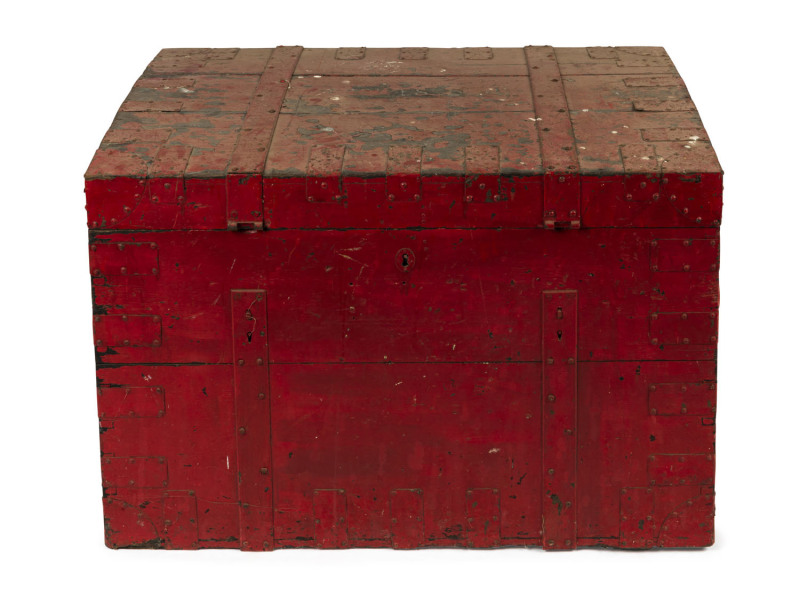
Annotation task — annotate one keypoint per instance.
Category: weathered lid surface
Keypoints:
(354, 137)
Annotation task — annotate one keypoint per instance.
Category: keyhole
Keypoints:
(249, 316)
(404, 260)
(558, 333)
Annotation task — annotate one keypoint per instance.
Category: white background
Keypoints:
(67, 66)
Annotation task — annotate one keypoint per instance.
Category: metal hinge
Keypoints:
(562, 201)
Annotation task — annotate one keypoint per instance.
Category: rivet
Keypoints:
(97, 319)
(156, 343)
(653, 411)
(417, 197)
(245, 543)
(241, 362)
(649, 517)
(242, 430)
(684, 316)
(482, 186)
(263, 470)
(685, 340)
(652, 387)
(153, 246)
(654, 341)
(123, 270)
(550, 542)
(551, 471)
(391, 196)
(698, 220)
(686, 268)
(469, 197)
(121, 246)
(567, 542)
(561, 179)
(550, 360)
(683, 410)
(309, 198)
(623, 491)
(156, 319)
(324, 185)
(496, 198)
(572, 213)
(642, 185)
(685, 210)
(654, 316)
(155, 198)
(654, 243)
(261, 396)
(686, 243)
(673, 197)
(259, 361)
(113, 221)
(628, 196)
(570, 361)
(568, 432)
(126, 342)
(665, 180)
(655, 196)
(551, 397)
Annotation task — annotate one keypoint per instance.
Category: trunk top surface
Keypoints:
(333, 119)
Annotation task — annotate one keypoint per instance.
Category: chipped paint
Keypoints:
(293, 372)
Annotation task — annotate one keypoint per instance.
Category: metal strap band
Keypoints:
(253, 418)
(562, 190)
(559, 418)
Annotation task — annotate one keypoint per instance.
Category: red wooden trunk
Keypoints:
(405, 298)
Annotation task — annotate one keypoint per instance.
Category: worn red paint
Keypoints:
(406, 298)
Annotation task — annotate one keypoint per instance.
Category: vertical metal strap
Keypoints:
(253, 422)
(559, 418)
(243, 179)
(562, 186)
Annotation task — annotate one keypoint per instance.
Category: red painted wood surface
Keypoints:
(406, 298)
